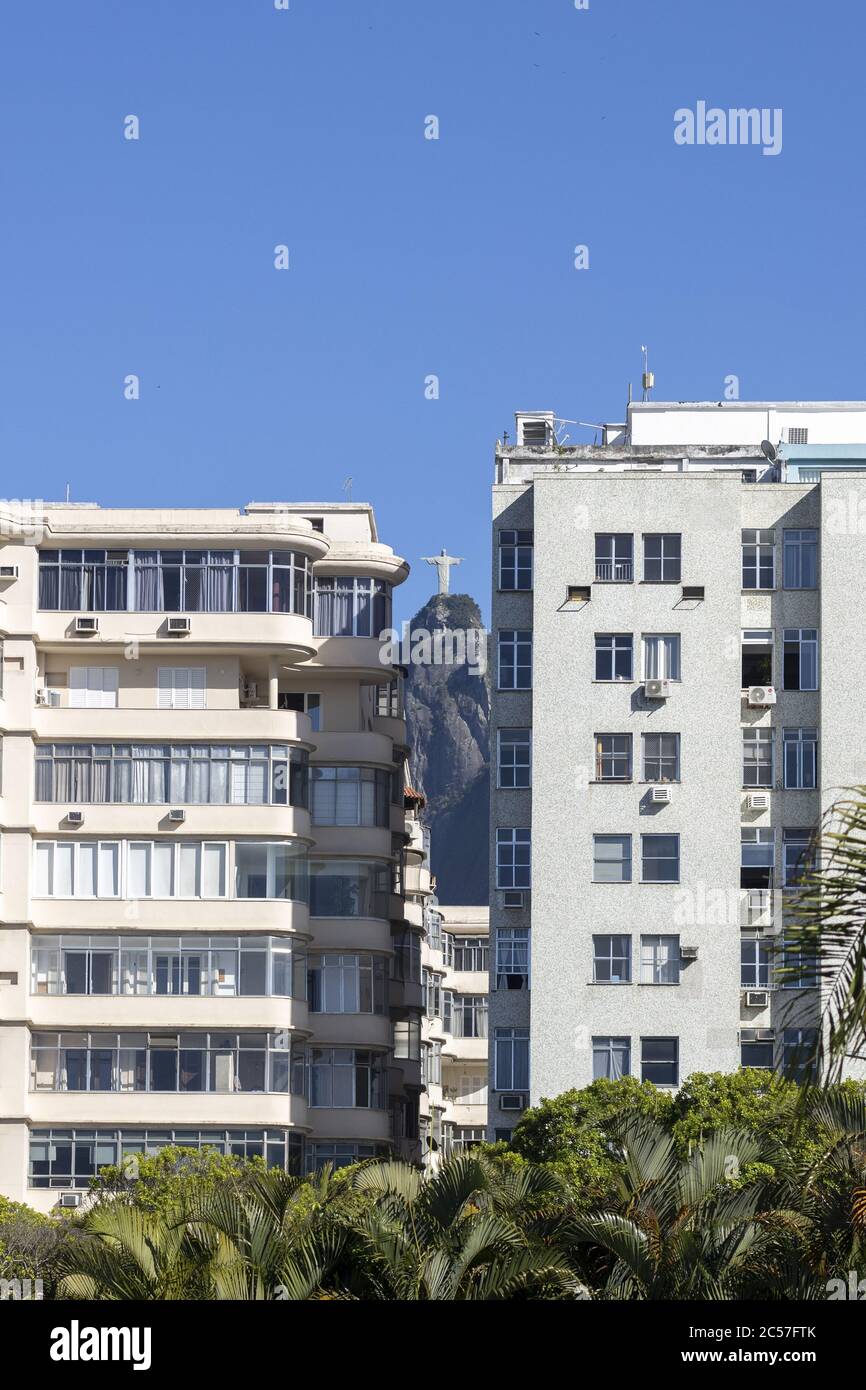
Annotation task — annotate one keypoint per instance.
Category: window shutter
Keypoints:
(165, 687)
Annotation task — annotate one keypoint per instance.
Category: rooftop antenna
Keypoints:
(648, 380)
(347, 488)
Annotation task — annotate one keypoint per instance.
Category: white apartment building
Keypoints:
(676, 704)
(206, 932)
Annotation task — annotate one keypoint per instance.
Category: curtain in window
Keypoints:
(149, 589)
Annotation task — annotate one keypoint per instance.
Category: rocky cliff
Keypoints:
(447, 711)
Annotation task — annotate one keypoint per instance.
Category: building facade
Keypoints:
(208, 929)
(674, 710)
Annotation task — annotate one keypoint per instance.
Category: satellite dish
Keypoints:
(769, 450)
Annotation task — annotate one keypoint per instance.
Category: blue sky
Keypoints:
(408, 257)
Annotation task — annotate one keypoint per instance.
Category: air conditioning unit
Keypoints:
(177, 815)
(757, 998)
(512, 1102)
(758, 801)
(693, 592)
(75, 817)
(44, 696)
(657, 690)
(661, 796)
(86, 627)
(688, 953)
(70, 1199)
(513, 898)
(757, 1035)
(8, 572)
(760, 696)
(178, 627)
(249, 692)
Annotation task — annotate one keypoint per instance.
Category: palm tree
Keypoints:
(126, 1253)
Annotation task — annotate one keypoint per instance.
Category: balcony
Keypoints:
(614, 571)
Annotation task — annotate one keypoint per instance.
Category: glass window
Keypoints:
(511, 1059)
(797, 966)
(757, 757)
(611, 1058)
(470, 953)
(351, 606)
(659, 960)
(515, 559)
(661, 656)
(611, 960)
(611, 858)
(798, 856)
(512, 858)
(757, 857)
(660, 858)
(270, 870)
(800, 748)
(757, 657)
(801, 559)
(350, 796)
(661, 757)
(801, 658)
(613, 757)
(756, 954)
(758, 561)
(662, 561)
(349, 888)
(659, 1061)
(515, 660)
(346, 984)
(757, 1052)
(512, 958)
(613, 656)
(614, 558)
(514, 758)
(799, 1053)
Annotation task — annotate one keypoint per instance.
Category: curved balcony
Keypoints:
(348, 1123)
(352, 841)
(190, 1110)
(351, 749)
(287, 635)
(257, 916)
(465, 1049)
(350, 1030)
(109, 820)
(360, 657)
(151, 1013)
(351, 933)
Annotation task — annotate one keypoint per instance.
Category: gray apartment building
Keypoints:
(677, 664)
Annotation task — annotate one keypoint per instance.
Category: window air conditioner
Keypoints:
(758, 801)
(688, 953)
(178, 627)
(75, 817)
(757, 998)
(86, 627)
(694, 592)
(757, 1035)
(177, 815)
(760, 696)
(513, 898)
(512, 1102)
(661, 796)
(656, 689)
(44, 696)
(70, 1199)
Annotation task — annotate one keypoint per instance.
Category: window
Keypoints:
(181, 687)
(799, 1053)
(660, 858)
(175, 869)
(76, 869)
(611, 960)
(512, 958)
(71, 1157)
(512, 858)
(757, 757)
(93, 687)
(801, 658)
(796, 966)
(511, 1059)
(304, 703)
(611, 858)
(757, 657)
(178, 774)
(514, 758)
(350, 796)
(346, 984)
(758, 565)
(798, 855)
(347, 1077)
(164, 1061)
(659, 960)
(614, 558)
(756, 1052)
(661, 656)
(407, 1037)
(515, 660)
(801, 559)
(515, 559)
(175, 581)
(659, 1061)
(469, 1016)
(431, 985)
(613, 757)
(661, 757)
(349, 888)
(611, 1058)
(350, 606)
(756, 954)
(800, 757)
(613, 656)
(471, 953)
(221, 966)
(662, 558)
(757, 857)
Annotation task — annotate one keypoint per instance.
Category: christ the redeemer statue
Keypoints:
(443, 562)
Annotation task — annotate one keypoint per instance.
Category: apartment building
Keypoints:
(676, 705)
(206, 936)
(454, 965)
